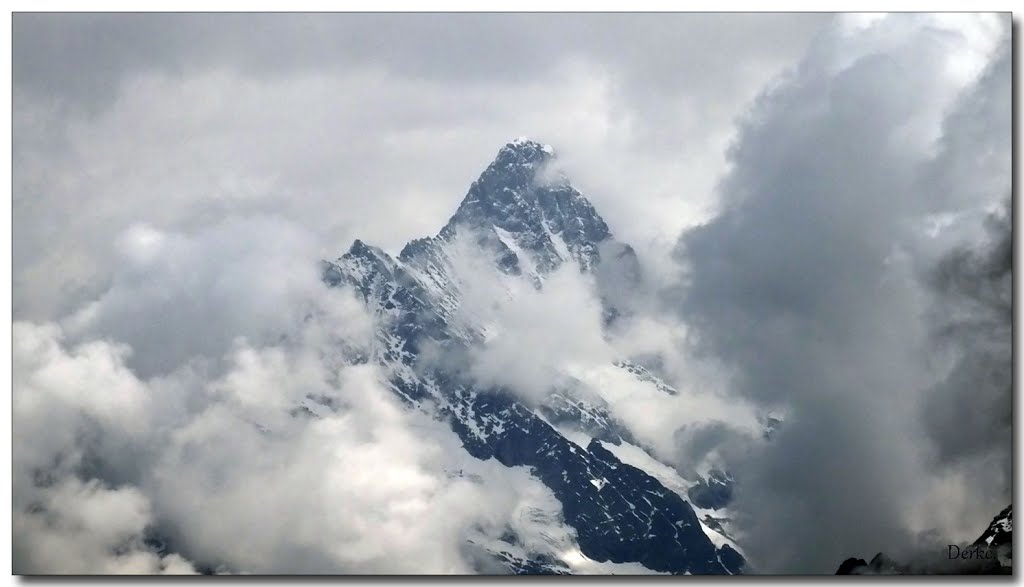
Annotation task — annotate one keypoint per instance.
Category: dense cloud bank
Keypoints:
(218, 460)
(823, 280)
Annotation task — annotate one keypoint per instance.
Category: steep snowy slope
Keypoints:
(527, 221)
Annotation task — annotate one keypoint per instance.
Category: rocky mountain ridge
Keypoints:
(528, 220)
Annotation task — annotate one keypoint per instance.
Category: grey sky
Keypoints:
(330, 120)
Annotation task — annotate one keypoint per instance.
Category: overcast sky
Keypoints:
(360, 126)
(818, 202)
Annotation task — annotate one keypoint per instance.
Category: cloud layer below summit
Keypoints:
(119, 444)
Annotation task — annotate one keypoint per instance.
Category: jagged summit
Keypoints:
(520, 163)
(527, 214)
(528, 149)
(526, 205)
(520, 167)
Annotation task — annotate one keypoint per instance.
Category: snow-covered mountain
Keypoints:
(627, 512)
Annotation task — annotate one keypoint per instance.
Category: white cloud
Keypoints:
(369, 489)
(540, 339)
(532, 336)
(85, 528)
(69, 405)
(177, 297)
(214, 455)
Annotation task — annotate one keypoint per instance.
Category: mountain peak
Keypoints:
(520, 198)
(528, 145)
(521, 160)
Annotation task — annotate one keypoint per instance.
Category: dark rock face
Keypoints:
(731, 560)
(515, 195)
(850, 564)
(531, 224)
(879, 565)
(714, 492)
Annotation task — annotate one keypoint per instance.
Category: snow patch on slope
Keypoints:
(581, 565)
(573, 435)
(721, 537)
(637, 457)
